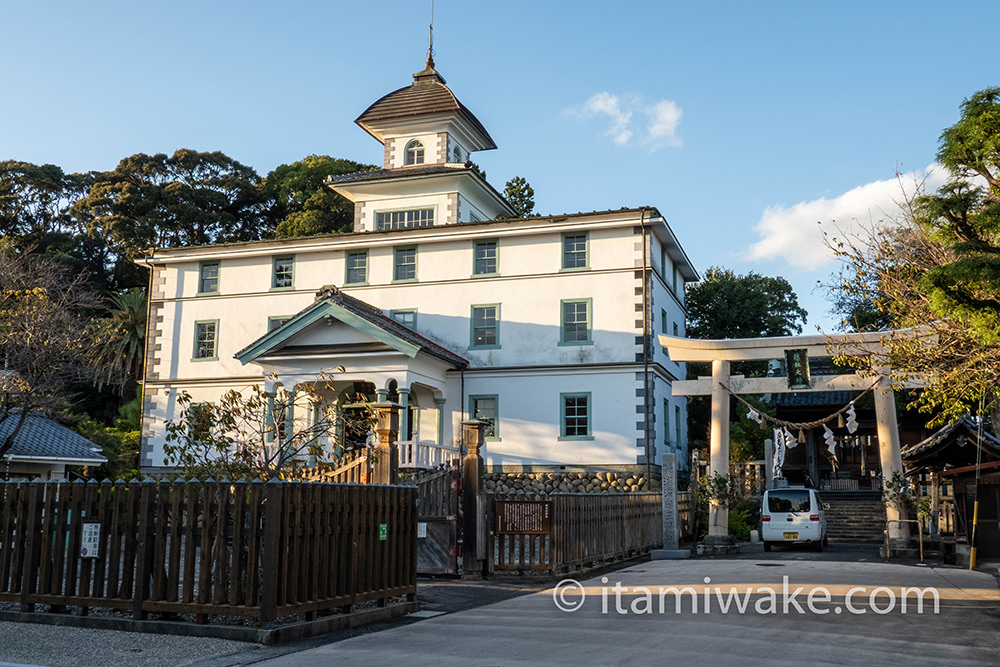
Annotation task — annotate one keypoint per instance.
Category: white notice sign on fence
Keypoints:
(90, 540)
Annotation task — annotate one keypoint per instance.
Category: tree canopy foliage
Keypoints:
(726, 305)
(302, 204)
(936, 272)
(521, 196)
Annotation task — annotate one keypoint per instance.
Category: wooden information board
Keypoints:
(524, 516)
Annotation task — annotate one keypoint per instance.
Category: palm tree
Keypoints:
(121, 338)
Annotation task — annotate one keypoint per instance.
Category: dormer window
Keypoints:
(414, 153)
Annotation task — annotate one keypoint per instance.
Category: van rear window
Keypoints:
(788, 500)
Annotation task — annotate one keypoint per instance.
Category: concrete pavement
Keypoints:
(531, 630)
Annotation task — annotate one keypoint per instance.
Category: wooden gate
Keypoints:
(439, 494)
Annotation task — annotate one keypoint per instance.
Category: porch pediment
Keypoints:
(338, 324)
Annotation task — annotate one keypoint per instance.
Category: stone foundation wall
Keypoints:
(537, 485)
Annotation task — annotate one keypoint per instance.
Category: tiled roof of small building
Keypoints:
(42, 437)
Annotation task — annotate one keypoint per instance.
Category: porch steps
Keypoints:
(854, 516)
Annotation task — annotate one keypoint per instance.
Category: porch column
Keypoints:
(404, 413)
(888, 449)
(386, 451)
(381, 395)
(473, 435)
(439, 403)
(718, 517)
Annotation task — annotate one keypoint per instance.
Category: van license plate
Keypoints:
(791, 536)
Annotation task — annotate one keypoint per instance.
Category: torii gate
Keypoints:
(722, 352)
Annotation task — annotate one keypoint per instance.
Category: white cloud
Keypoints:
(631, 119)
(793, 234)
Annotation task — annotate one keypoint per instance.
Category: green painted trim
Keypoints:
(475, 245)
(393, 313)
(315, 313)
(218, 277)
(586, 251)
(275, 318)
(496, 409)
(274, 273)
(194, 348)
(590, 322)
(347, 266)
(472, 327)
(395, 264)
(562, 415)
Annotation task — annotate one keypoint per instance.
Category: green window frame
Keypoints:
(276, 322)
(486, 258)
(575, 416)
(677, 426)
(206, 340)
(575, 251)
(356, 267)
(486, 407)
(404, 264)
(677, 330)
(405, 316)
(663, 321)
(666, 422)
(208, 277)
(485, 325)
(575, 321)
(283, 272)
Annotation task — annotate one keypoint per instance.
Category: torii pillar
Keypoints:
(722, 352)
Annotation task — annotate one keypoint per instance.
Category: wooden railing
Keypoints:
(420, 454)
(585, 530)
(256, 550)
(353, 467)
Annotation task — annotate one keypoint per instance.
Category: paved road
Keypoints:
(531, 630)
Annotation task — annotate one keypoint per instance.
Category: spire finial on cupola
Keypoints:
(429, 73)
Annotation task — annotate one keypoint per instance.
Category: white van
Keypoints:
(793, 516)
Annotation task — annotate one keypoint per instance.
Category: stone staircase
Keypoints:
(854, 516)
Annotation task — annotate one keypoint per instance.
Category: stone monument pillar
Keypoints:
(668, 487)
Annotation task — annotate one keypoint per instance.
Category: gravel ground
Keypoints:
(52, 646)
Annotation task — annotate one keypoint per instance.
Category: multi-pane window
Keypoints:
(283, 272)
(206, 339)
(408, 318)
(485, 258)
(486, 326)
(276, 322)
(357, 268)
(484, 408)
(575, 325)
(575, 416)
(405, 266)
(414, 153)
(418, 217)
(201, 418)
(208, 278)
(666, 422)
(663, 321)
(574, 251)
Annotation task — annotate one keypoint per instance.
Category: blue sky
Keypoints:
(745, 123)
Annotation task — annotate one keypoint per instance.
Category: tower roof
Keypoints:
(427, 95)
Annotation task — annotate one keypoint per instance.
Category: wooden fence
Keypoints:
(256, 550)
(578, 530)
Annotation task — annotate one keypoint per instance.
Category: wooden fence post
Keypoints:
(270, 558)
(472, 435)
(32, 547)
(387, 451)
(144, 547)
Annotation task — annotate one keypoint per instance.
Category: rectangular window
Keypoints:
(284, 268)
(357, 268)
(405, 266)
(677, 330)
(574, 251)
(485, 258)
(200, 421)
(419, 217)
(276, 322)
(486, 326)
(206, 339)
(575, 323)
(677, 426)
(663, 321)
(666, 422)
(408, 318)
(208, 278)
(484, 408)
(575, 416)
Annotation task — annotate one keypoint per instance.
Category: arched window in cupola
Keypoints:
(414, 153)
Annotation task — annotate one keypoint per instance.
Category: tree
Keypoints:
(726, 305)
(521, 196)
(45, 336)
(122, 336)
(300, 204)
(256, 435)
(188, 198)
(936, 273)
